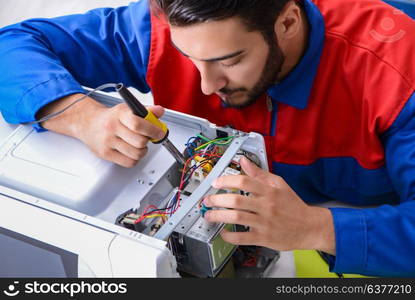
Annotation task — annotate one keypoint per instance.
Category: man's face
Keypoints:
(237, 65)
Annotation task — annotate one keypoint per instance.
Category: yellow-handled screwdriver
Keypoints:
(140, 110)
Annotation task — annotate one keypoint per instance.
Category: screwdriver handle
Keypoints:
(140, 110)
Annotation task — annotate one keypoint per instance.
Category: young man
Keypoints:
(325, 81)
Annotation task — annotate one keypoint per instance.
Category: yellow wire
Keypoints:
(154, 216)
(210, 142)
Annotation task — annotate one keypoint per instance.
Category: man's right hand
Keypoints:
(114, 134)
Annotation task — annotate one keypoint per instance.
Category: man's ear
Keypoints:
(288, 23)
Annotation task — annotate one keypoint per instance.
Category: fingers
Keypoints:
(249, 168)
(130, 137)
(157, 110)
(230, 216)
(129, 150)
(256, 180)
(116, 134)
(121, 153)
(239, 182)
(140, 126)
(234, 201)
(118, 158)
(254, 171)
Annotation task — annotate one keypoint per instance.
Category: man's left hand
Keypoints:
(276, 216)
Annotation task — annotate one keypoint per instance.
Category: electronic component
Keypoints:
(196, 243)
(199, 248)
(207, 163)
(253, 261)
(231, 171)
(156, 226)
(128, 220)
(198, 175)
(204, 209)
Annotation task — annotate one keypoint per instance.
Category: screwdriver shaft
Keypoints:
(173, 151)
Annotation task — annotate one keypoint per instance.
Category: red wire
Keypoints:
(183, 173)
(181, 183)
(143, 215)
(180, 186)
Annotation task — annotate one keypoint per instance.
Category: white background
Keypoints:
(12, 11)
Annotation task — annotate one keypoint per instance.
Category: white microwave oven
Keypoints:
(66, 213)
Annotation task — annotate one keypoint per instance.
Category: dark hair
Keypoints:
(257, 15)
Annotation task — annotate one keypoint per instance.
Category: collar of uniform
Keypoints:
(295, 89)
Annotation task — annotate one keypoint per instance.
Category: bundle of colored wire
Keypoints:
(144, 214)
(191, 144)
(183, 180)
(226, 141)
(174, 204)
(170, 209)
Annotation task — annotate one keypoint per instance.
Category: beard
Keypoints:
(269, 76)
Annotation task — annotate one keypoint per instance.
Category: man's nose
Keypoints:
(211, 79)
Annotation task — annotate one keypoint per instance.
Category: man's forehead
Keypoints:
(213, 40)
(212, 59)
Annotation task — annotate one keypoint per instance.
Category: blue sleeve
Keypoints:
(381, 241)
(42, 60)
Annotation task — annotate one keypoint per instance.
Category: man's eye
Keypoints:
(231, 64)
